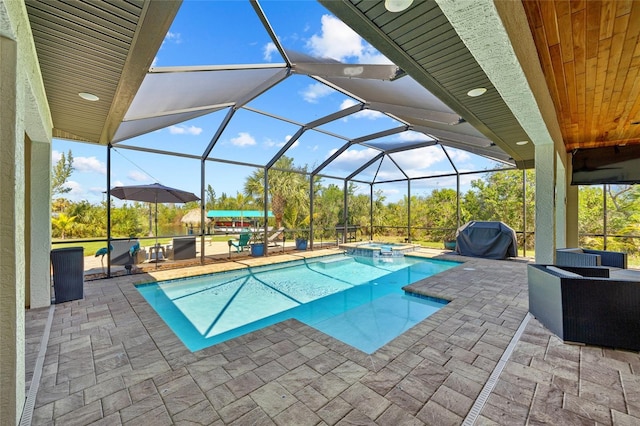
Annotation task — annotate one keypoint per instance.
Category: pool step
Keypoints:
(331, 263)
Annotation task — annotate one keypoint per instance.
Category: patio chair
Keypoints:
(585, 305)
(182, 248)
(273, 237)
(586, 257)
(243, 242)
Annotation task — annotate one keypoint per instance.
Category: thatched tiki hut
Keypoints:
(192, 220)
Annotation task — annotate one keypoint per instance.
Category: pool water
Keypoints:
(357, 300)
(379, 245)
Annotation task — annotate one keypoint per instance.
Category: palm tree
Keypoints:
(286, 189)
(63, 223)
(242, 203)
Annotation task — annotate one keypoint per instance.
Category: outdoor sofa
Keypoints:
(584, 305)
(127, 253)
(587, 257)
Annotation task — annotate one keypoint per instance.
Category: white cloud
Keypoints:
(351, 159)
(82, 164)
(268, 51)
(368, 114)
(347, 103)
(459, 155)
(138, 176)
(420, 159)
(413, 136)
(89, 165)
(294, 145)
(338, 41)
(184, 130)
(269, 143)
(117, 183)
(77, 193)
(173, 37)
(243, 139)
(55, 156)
(315, 91)
(390, 191)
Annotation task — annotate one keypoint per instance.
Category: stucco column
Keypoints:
(572, 209)
(39, 226)
(12, 248)
(496, 33)
(561, 202)
(545, 203)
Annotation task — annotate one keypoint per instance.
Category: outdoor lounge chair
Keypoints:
(182, 248)
(586, 257)
(273, 237)
(243, 242)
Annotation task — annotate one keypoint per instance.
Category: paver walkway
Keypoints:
(111, 360)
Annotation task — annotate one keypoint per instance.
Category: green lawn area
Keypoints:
(90, 248)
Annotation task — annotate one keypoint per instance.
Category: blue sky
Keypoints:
(229, 32)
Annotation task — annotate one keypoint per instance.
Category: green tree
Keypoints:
(210, 203)
(358, 206)
(498, 196)
(60, 174)
(91, 220)
(438, 213)
(287, 189)
(327, 209)
(623, 216)
(129, 221)
(590, 215)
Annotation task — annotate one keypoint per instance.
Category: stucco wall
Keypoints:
(11, 245)
(24, 112)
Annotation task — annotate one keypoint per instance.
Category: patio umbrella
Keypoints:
(153, 193)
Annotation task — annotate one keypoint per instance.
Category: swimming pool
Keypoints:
(357, 300)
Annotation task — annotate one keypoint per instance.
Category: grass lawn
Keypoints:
(90, 248)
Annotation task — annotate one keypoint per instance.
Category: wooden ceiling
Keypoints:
(590, 54)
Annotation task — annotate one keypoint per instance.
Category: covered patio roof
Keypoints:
(165, 96)
(436, 62)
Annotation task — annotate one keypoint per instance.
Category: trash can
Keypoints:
(68, 273)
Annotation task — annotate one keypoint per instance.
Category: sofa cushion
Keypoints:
(572, 250)
(563, 273)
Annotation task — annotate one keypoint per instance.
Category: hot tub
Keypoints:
(376, 249)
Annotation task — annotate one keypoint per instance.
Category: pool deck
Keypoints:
(111, 360)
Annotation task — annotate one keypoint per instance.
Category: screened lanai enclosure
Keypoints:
(355, 127)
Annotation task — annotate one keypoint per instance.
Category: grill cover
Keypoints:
(491, 240)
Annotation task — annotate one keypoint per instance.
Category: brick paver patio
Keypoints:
(111, 360)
